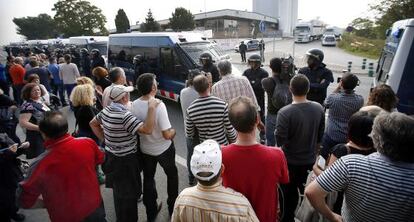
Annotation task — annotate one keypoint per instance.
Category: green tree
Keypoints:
(121, 22)
(150, 24)
(39, 27)
(390, 11)
(79, 17)
(364, 27)
(182, 20)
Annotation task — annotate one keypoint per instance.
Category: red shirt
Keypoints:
(66, 178)
(255, 171)
(17, 73)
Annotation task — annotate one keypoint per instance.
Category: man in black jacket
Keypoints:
(242, 50)
(319, 76)
(255, 74)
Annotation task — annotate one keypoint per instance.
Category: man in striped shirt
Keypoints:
(208, 115)
(119, 128)
(209, 200)
(378, 187)
(342, 103)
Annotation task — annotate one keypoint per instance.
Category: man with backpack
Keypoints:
(278, 95)
(255, 74)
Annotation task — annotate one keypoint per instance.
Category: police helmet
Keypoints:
(95, 52)
(255, 58)
(137, 59)
(84, 51)
(315, 53)
(206, 57)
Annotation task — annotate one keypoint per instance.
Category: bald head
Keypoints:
(53, 125)
(243, 114)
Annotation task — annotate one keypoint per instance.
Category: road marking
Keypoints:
(181, 161)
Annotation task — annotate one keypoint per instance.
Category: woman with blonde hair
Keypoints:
(84, 80)
(83, 101)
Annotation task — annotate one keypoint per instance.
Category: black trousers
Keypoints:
(8, 206)
(167, 162)
(123, 176)
(97, 216)
(243, 56)
(297, 177)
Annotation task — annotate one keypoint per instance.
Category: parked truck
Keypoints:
(309, 31)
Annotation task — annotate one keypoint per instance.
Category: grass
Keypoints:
(370, 48)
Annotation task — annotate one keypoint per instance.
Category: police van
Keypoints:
(168, 55)
(90, 42)
(396, 64)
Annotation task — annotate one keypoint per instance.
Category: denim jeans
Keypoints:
(270, 129)
(167, 162)
(327, 145)
(69, 88)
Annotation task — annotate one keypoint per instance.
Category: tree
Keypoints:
(390, 11)
(364, 27)
(150, 24)
(79, 17)
(40, 27)
(182, 20)
(121, 22)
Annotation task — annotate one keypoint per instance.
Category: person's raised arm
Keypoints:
(149, 123)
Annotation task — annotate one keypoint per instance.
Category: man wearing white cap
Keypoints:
(209, 200)
(119, 128)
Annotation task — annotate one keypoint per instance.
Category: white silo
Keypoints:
(285, 10)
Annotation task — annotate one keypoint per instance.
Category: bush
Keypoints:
(361, 46)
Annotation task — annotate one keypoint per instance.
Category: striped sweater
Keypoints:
(210, 117)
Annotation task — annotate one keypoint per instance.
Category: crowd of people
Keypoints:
(246, 161)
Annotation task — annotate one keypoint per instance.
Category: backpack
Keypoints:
(281, 95)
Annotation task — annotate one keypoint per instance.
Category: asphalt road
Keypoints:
(333, 55)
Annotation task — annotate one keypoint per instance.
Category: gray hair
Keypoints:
(18, 60)
(224, 67)
(115, 74)
(393, 136)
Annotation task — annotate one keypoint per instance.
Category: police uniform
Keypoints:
(318, 88)
(255, 77)
(211, 68)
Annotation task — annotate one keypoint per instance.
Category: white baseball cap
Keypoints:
(206, 158)
(118, 92)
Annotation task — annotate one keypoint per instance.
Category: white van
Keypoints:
(396, 64)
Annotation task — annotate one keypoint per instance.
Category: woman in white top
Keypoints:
(68, 73)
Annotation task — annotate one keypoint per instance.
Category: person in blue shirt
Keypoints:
(53, 68)
(4, 83)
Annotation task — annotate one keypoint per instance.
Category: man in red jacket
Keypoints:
(64, 176)
(253, 169)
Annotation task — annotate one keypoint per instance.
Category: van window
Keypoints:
(170, 64)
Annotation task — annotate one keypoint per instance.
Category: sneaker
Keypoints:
(18, 217)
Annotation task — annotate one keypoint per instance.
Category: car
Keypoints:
(252, 44)
(328, 40)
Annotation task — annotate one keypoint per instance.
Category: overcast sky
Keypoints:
(333, 12)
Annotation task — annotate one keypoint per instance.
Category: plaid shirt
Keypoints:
(231, 86)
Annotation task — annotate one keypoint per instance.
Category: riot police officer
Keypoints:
(97, 59)
(85, 62)
(206, 61)
(319, 76)
(255, 74)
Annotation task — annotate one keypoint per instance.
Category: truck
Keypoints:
(169, 55)
(395, 65)
(332, 30)
(309, 31)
